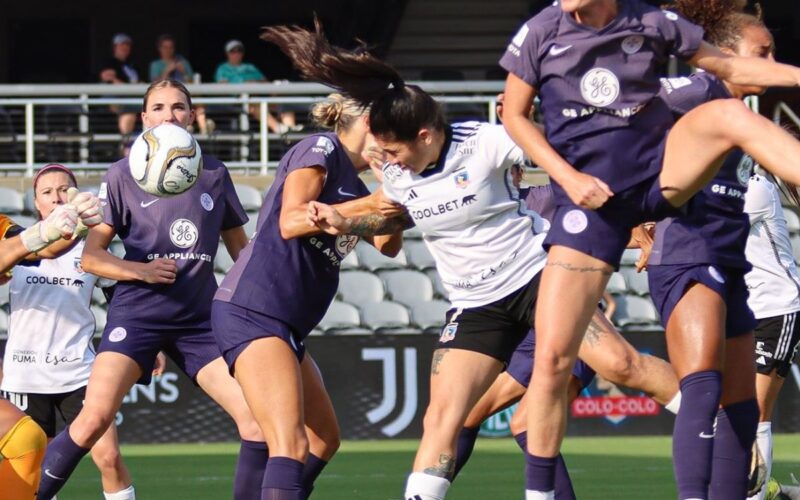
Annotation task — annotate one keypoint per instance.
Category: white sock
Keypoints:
(126, 494)
(421, 486)
(674, 404)
(539, 495)
(764, 440)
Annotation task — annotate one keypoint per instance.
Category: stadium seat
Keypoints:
(223, 261)
(3, 321)
(630, 256)
(25, 220)
(4, 293)
(387, 317)
(98, 297)
(350, 262)
(616, 284)
(792, 220)
(795, 240)
(412, 233)
(637, 282)
(408, 287)
(436, 280)
(360, 287)
(372, 259)
(635, 312)
(117, 248)
(11, 201)
(27, 201)
(418, 255)
(100, 318)
(249, 197)
(430, 316)
(250, 225)
(342, 319)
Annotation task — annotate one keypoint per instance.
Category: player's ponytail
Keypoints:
(724, 21)
(397, 110)
(337, 112)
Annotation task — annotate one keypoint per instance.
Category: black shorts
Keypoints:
(494, 329)
(42, 408)
(776, 343)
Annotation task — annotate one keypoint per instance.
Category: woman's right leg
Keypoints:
(695, 344)
(322, 427)
(113, 374)
(559, 330)
(278, 408)
(707, 133)
(114, 475)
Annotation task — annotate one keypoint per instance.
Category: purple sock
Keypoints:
(464, 447)
(693, 435)
(540, 472)
(563, 483)
(311, 471)
(282, 480)
(250, 468)
(736, 431)
(60, 460)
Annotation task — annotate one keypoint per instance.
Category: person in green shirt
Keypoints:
(170, 65)
(235, 70)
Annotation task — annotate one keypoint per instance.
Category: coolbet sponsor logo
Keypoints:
(47, 280)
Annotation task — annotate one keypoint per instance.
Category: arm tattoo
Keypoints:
(376, 224)
(593, 333)
(444, 468)
(438, 356)
(570, 267)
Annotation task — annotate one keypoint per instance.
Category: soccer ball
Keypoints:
(165, 160)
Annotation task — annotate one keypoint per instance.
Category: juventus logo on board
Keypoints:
(387, 356)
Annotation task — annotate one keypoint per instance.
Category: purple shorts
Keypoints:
(604, 233)
(190, 348)
(521, 365)
(669, 283)
(235, 327)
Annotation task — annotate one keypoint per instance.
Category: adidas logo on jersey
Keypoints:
(412, 195)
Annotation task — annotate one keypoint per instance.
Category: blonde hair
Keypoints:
(337, 112)
(163, 84)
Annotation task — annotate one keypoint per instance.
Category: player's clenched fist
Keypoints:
(159, 271)
(87, 206)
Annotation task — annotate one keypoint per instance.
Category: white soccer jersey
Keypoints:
(470, 216)
(50, 329)
(773, 283)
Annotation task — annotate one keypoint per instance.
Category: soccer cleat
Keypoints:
(777, 491)
(758, 471)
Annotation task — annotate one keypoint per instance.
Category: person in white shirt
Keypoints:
(49, 354)
(774, 287)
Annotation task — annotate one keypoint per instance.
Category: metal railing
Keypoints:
(28, 98)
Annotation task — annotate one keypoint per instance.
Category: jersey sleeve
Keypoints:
(499, 149)
(7, 227)
(522, 54)
(115, 212)
(390, 175)
(314, 151)
(234, 215)
(683, 37)
(759, 202)
(685, 93)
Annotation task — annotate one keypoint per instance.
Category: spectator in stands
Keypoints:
(170, 65)
(118, 70)
(173, 66)
(235, 70)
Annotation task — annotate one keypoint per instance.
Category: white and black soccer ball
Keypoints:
(165, 160)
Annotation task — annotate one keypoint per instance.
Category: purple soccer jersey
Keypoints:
(185, 228)
(295, 280)
(714, 228)
(598, 87)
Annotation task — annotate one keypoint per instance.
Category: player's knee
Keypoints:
(90, 426)
(108, 461)
(728, 114)
(442, 414)
(249, 430)
(552, 369)
(621, 369)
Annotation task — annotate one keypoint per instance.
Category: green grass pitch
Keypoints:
(601, 468)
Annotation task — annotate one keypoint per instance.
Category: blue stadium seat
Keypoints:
(630, 256)
(3, 321)
(637, 282)
(250, 225)
(436, 280)
(430, 316)
(342, 319)
(100, 318)
(223, 261)
(25, 220)
(616, 284)
(635, 313)
(418, 255)
(792, 220)
(350, 262)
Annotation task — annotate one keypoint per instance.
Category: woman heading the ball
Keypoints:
(22, 441)
(162, 301)
(617, 159)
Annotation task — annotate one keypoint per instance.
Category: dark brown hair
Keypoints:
(397, 111)
(723, 21)
(163, 84)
